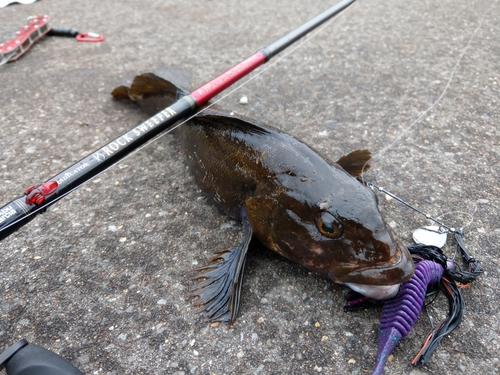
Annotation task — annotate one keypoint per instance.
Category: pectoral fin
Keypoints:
(219, 293)
(356, 162)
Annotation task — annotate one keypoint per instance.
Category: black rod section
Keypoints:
(37, 199)
(279, 45)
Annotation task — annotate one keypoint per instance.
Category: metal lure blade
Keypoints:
(431, 236)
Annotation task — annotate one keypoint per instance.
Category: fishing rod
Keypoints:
(37, 199)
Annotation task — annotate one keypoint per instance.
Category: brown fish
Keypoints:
(298, 204)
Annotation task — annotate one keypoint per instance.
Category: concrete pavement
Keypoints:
(102, 278)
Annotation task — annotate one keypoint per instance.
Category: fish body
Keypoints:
(297, 203)
(287, 189)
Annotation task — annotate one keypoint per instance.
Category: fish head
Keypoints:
(333, 226)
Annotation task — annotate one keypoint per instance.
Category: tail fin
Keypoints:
(153, 93)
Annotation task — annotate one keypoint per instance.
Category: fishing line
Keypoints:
(452, 271)
(279, 58)
(470, 215)
(417, 120)
(266, 67)
(443, 93)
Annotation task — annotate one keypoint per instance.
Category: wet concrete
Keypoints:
(102, 278)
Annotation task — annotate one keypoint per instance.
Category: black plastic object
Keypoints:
(24, 358)
(63, 32)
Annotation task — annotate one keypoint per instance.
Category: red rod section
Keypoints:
(23, 209)
(226, 79)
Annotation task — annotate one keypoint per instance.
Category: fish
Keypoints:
(297, 203)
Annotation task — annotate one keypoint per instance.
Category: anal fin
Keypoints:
(219, 291)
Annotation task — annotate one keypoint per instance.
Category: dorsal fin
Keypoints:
(355, 163)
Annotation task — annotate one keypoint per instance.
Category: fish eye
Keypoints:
(328, 225)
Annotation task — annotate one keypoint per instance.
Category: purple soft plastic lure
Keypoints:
(400, 313)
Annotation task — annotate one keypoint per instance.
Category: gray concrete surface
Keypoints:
(103, 277)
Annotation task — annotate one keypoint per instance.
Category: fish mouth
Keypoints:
(382, 278)
(382, 281)
(380, 292)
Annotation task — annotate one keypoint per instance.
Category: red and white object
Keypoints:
(36, 28)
